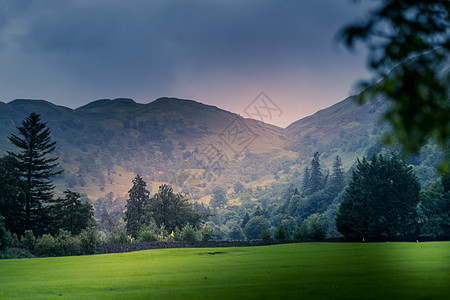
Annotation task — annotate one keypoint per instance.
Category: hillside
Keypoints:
(190, 145)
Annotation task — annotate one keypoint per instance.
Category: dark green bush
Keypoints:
(45, 246)
(189, 233)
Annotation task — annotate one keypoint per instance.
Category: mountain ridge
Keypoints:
(105, 142)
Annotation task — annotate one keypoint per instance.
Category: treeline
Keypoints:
(281, 211)
(166, 211)
(380, 199)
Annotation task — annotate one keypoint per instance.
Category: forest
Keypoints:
(379, 199)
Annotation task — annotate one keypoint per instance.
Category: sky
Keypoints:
(229, 53)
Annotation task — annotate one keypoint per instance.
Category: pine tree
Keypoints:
(317, 180)
(138, 198)
(336, 182)
(306, 181)
(36, 169)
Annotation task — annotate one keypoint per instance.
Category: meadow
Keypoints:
(289, 271)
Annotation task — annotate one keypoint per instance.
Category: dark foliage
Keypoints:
(70, 214)
(172, 210)
(36, 169)
(409, 43)
(138, 198)
(380, 201)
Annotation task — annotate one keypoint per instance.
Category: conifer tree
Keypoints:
(316, 181)
(336, 182)
(137, 201)
(380, 201)
(36, 169)
(306, 181)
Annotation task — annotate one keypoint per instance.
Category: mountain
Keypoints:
(188, 144)
(345, 128)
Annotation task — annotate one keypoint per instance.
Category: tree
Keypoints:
(409, 45)
(281, 233)
(336, 182)
(238, 187)
(435, 210)
(172, 210)
(138, 198)
(36, 169)
(12, 196)
(236, 233)
(245, 220)
(306, 181)
(311, 229)
(70, 214)
(219, 197)
(380, 201)
(255, 226)
(4, 236)
(316, 178)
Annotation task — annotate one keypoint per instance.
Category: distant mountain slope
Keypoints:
(103, 144)
(345, 128)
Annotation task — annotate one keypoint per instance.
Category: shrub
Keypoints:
(281, 233)
(15, 240)
(189, 233)
(310, 229)
(15, 253)
(208, 234)
(147, 236)
(265, 235)
(236, 233)
(121, 238)
(66, 244)
(5, 236)
(177, 234)
(89, 241)
(255, 226)
(45, 246)
(28, 240)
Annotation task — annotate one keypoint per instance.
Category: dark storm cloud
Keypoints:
(137, 47)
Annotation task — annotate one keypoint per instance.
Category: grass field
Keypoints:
(301, 271)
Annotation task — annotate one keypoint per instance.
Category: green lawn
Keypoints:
(301, 271)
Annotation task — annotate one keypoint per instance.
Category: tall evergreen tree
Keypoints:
(336, 182)
(36, 169)
(306, 181)
(138, 199)
(317, 180)
(380, 201)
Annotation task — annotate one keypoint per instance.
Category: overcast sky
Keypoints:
(219, 52)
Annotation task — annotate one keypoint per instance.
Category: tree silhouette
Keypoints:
(36, 169)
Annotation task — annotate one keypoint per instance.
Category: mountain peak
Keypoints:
(108, 105)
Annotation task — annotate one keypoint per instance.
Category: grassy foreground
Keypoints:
(306, 271)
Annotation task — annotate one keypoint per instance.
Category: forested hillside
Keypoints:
(103, 145)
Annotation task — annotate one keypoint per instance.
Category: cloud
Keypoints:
(76, 50)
